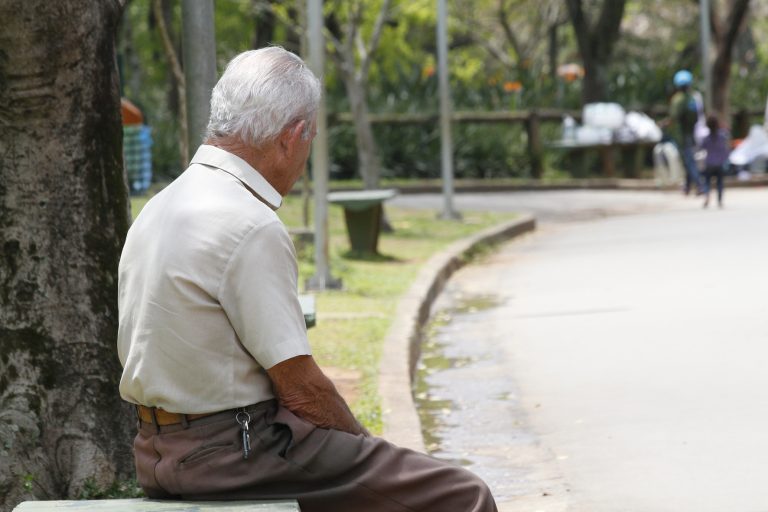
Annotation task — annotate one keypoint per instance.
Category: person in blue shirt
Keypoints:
(683, 113)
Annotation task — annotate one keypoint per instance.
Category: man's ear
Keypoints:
(298, 129)
(292, 134)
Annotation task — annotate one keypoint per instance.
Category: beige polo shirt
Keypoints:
(208, 291)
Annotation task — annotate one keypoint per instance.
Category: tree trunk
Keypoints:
(721, 87)
(726, 33)
(596, 42)
(264, 23)
(353, 57)
(63, 218)
(369, 162)
(594, 85)
(553, 50)
(177, 81)
(368, 159)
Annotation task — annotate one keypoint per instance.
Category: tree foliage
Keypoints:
(503, 55)
(355, 30)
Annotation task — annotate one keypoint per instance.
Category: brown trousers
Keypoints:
(325, 470)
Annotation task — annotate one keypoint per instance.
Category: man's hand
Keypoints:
(303, 389)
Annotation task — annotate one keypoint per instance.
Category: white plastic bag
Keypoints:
(751, 148)
(603, 115)
(569, 129)
(643, 126)
(667, 165)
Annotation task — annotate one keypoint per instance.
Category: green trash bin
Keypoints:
(362, 213)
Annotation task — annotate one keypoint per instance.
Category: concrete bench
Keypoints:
(362, 213)
(146, 505)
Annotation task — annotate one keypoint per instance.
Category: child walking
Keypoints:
(716, 145)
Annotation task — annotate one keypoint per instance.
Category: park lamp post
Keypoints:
(199, 52)
(446, 144)
(322, 278)
(706, 68)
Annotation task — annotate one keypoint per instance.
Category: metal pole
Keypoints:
(706, 68)
(199, 53)
(322, 278)
(446, 145)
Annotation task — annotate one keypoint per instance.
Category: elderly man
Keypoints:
(231, 404)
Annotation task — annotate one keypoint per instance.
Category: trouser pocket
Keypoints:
(299, 428)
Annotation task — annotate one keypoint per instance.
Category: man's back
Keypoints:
(684, 113)
(185, 341)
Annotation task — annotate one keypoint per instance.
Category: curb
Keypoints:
(480, 186)
(402, 343)
(583, 184)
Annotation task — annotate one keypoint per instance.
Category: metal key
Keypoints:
(243, 418)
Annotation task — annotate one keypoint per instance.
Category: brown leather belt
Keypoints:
(162, 418)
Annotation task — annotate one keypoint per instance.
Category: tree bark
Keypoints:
(177, 79)
(725, 34)
(63, 218)
(596, 45)
(354, 58)
(369, 161)
(553, 50)
(264, 23)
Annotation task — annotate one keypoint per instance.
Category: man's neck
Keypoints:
(262, 159)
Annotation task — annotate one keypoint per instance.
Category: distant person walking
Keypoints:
(684, 111)
(716, 146)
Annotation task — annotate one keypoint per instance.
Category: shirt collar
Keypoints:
(240, 169)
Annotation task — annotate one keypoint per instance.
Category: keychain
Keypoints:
(243, 418)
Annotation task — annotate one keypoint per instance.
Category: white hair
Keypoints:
(260, 93)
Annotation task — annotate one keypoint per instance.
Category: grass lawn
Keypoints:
(352, 322)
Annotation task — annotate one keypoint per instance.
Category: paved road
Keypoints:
(612, 364)
(555, 205)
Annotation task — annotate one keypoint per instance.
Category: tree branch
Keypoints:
(170, 52)
(353, 22)
(507, 28)
(580, 26)
(181, 84)
(608, 26)
(333, 30)
(494, 50)
(373, 44)
(364, 57)
(715, 23)
(735, 20)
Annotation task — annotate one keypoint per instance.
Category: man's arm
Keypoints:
(302, 388)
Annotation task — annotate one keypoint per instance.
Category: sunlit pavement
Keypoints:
(554, 205)
(611, 363)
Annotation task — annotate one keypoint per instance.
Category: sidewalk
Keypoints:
(402, 344)
(589, 381)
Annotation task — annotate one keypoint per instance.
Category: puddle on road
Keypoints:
(434, 409)
(465, 397)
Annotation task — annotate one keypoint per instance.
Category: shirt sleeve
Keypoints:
(259, 293)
